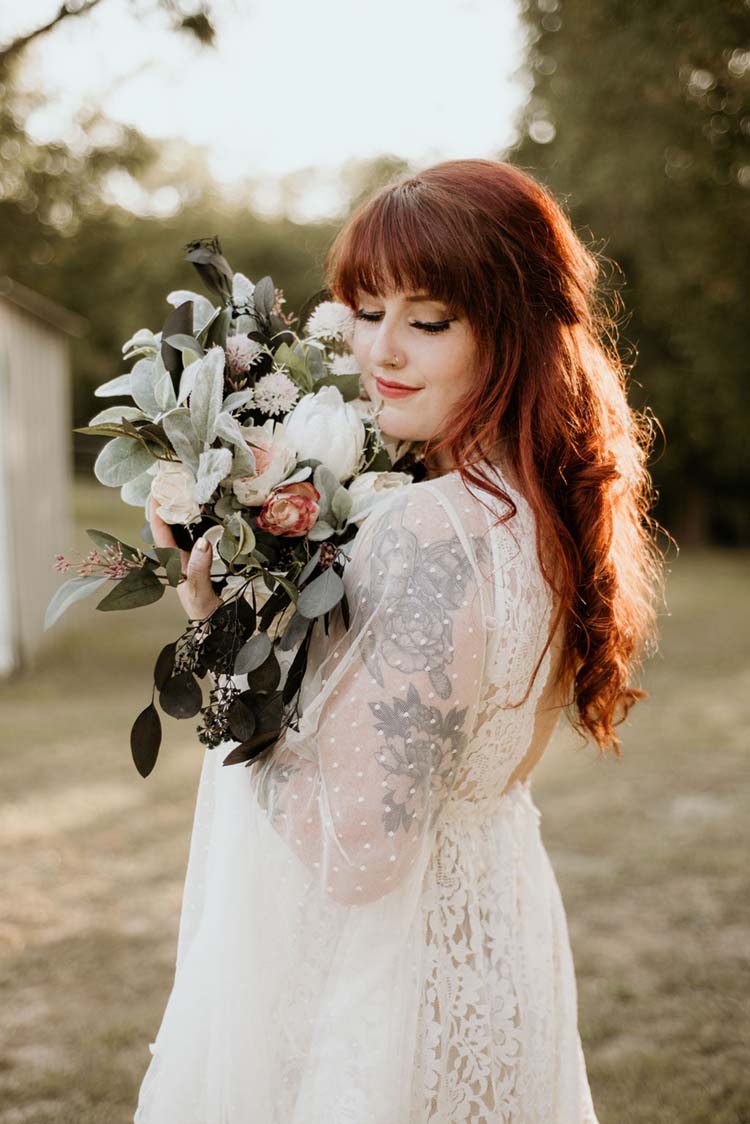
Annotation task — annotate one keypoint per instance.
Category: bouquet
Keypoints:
(256, 438)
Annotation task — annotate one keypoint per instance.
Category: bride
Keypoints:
(371, 930)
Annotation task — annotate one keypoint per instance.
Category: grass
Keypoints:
(650, 852)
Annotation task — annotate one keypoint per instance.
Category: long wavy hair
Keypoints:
(493, 244)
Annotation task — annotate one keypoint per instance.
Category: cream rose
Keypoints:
(370, 488)
(325, 427)
(173, 491)
(275, 457)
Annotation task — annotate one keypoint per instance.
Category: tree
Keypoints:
(638, 118)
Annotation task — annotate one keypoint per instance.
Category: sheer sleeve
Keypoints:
(387, 705)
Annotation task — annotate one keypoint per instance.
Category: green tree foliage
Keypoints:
(639, 119)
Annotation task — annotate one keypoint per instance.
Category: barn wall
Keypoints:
(35, 469)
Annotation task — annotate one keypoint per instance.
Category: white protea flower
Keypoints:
(331, 320)
(242, 353)
(344, 365)
(242, 291)
(275, 393)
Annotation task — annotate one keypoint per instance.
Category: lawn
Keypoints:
(651, 853)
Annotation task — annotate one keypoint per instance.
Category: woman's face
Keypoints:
(412, 340)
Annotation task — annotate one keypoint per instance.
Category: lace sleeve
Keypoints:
(357, 790)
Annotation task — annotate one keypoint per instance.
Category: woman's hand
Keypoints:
(196, 592)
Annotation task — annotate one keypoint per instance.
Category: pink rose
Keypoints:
(290, 510)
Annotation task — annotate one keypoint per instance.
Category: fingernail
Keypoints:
(201, 544)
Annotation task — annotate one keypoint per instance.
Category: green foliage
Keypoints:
(650, 110)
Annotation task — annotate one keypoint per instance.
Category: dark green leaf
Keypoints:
(138, 587)
(179, 321)
(296, 673)
(145, 739)
(164, 665)
(241, 720)
(102, 540)
(266, 677)
(181, 696)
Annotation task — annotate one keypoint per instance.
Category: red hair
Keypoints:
(491, 242)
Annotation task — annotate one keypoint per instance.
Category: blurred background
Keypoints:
(127, 128)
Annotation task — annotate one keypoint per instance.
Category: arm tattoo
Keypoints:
(426, 585)
(420, 752)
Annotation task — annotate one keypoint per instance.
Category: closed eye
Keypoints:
(432, 326)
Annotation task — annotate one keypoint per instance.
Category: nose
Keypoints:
(385, 350)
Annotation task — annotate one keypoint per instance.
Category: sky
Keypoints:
(290, 85)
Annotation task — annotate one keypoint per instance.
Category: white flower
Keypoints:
(325, 427)
(173, 489)
(344, 365)
(275, 457)
(331, 320)
(242, 291)
(370, 488)
(242, 353)
(275, 393)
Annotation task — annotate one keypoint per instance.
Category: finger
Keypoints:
(200, 591)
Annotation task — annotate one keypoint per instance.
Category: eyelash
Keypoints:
(370, 318)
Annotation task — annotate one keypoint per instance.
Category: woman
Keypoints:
(371, 929)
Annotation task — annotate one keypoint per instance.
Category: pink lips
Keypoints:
(394, 391)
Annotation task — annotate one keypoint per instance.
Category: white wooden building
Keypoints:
(36, 466)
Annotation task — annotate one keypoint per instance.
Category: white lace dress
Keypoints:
(371, 931)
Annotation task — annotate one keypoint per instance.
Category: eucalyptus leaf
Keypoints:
(181, 696)
(103, 539)
(266, 677)
(294, 631)
(121, 460)
(164, 664)
(311, 564)
(253, 653)
(241, 720)
(171, 560)
(145, 739)
(75, 589)
(138, 587)
(321, 594)
(228, 547)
